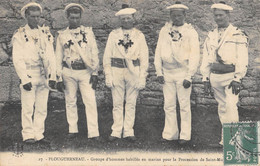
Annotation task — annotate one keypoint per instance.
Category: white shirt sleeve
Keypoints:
(59, 57)
(157, 58)
(107, 56)
(18, 59)
(94, 53)
(194, 55)
(242, 58)
(50, 55)
(144, 58)
(205, 65)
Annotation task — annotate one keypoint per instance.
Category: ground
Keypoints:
(148, 128)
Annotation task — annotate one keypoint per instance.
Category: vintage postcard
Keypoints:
(129, 82)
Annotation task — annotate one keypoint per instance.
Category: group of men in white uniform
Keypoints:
(74, 64)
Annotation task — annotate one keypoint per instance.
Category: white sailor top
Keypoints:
(232, 47)
(33, 50)
(132, 48)
(77, 45)
(177, 47)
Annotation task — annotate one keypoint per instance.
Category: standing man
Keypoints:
(34, 61)
(77, 66)
(125, 65)
(176, 61)
(224, 64)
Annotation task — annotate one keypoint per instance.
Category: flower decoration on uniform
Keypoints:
(175, 35)
(84, 36)
(35, 40)
(49, 37)
(79, 42)
(26, 38)
(127, 42)
(84, 39)
(25, 35)
(47, 32)
(68, 44)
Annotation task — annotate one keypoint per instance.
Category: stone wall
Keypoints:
(151, 16)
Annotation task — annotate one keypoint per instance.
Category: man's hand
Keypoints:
(60, 86)
(94, 81)
(161, 79)
(236, 87)
(27, 86)
(186, 83)
(207, 87)
(52, 84)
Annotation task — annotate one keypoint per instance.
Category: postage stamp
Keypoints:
(241, 143)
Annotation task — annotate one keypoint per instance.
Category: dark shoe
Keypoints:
(44, 141)
(183, 142)
(98, 139)
(29, 141)
(131, 138)
(71, 135)
(112, 138)
(163, 140)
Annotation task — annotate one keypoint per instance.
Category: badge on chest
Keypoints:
(175, 35)
(126, 42)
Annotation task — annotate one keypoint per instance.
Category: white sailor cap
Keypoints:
(73, 5)
(125, 10)
(178, 6)
(221, 5)
(29, 5)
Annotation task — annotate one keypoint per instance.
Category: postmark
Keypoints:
(241, 143)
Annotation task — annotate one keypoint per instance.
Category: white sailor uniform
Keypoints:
(77, 60)
(125, 64)
(232, 49)
(34, 61)
(177, 58)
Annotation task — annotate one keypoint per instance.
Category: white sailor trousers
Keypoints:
(34, 107)
(124, 89)
(74, 79)
(227, 101)
(173, 89)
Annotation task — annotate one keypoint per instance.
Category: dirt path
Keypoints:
(148, 128)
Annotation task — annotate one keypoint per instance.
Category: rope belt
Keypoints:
(218, 68)
(121, 63)
(74, 66)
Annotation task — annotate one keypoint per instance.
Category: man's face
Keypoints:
(127, 21)
(74, 20)
(221, 17)
(33, 18)
(177, 17)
